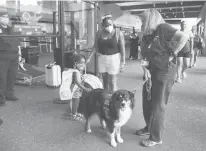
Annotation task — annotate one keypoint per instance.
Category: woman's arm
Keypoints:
(181, 39)
(77, 79)
(122, 48)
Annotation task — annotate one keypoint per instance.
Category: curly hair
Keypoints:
(78, 58)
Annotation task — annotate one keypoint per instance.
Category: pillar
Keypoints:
(204, 33)
(90, 31)
(13, 7)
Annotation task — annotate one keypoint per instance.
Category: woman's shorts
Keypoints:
(184, 54)
(109, 63)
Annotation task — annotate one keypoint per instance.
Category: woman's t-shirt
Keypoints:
(165, 33)
(161, 41)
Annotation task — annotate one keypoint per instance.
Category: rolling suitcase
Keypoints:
(53, 75)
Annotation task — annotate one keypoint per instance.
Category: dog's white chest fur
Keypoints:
(124, 116)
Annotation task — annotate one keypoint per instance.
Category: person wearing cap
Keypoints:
(110, 46)
(10, 54)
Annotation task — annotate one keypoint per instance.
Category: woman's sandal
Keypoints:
(149, 143)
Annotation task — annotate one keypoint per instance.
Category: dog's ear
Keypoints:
(132, 93)
(114, 96)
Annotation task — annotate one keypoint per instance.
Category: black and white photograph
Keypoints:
(102, 75)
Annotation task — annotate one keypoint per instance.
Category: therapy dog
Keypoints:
(113, 112)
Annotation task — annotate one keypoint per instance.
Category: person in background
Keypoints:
(198, 45)
(134, 43)
(160, 46)
(9, 60)
(183, 57)
(110, 46)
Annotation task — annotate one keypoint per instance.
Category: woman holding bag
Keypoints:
(160, 45)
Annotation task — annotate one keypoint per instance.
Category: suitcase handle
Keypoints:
(49, 66)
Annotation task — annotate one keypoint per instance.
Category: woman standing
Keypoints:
(134, 44)
(160, 45)
(183, 57)
(110, 46)
(197, 46)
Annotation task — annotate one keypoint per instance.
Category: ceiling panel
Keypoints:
(169, 9)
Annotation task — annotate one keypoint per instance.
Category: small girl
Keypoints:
(79, 65)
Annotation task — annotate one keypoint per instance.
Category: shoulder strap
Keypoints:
(117, 34)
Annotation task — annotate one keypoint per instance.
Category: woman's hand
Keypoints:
(147, 74)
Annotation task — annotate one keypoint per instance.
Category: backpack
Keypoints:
(67, 88)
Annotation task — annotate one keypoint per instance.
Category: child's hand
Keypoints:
(88, 89)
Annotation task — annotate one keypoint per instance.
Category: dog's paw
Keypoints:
(113, 143)
(120, 140)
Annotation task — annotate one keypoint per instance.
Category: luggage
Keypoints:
(53, 75)
(66, 91)
(93, 81)
(31, 55)
(30, 76)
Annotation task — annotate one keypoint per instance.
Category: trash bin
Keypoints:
(68, 58)
(31, 55)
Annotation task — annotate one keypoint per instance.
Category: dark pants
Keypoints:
(133, 52)
(154, 109)
(8, 71)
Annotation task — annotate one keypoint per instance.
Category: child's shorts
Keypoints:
(77, 94)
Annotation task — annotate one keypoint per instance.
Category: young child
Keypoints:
(79, 65)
